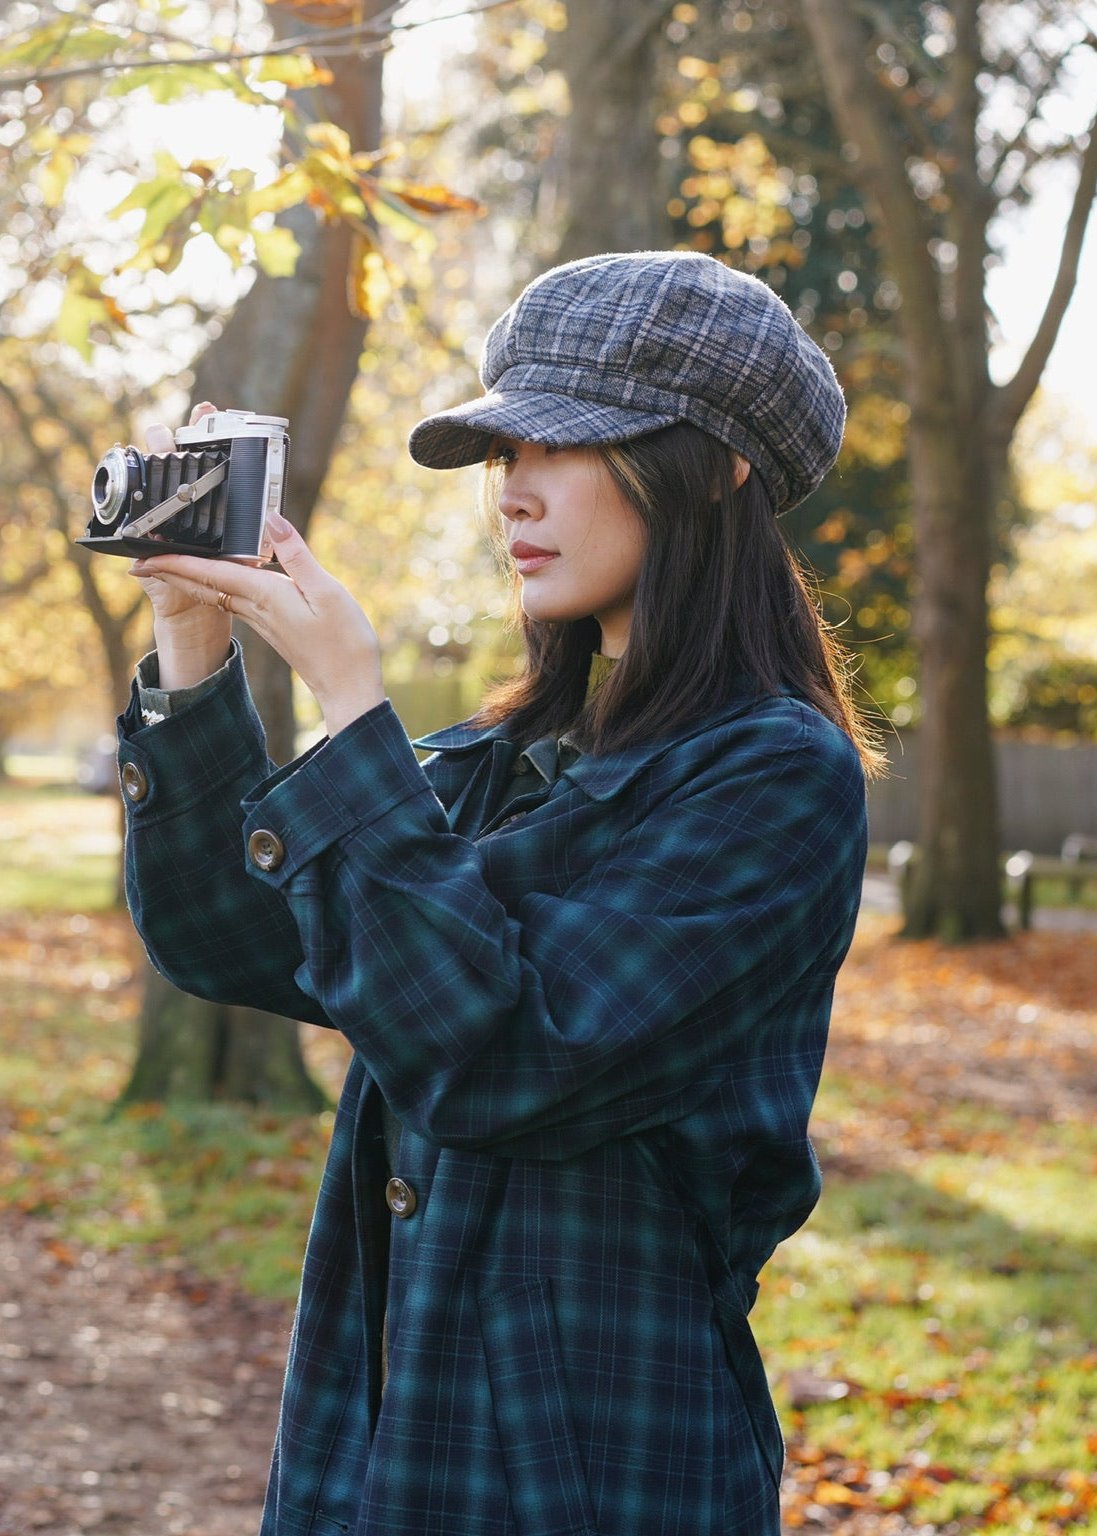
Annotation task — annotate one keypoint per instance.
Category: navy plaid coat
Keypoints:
(599, 1019)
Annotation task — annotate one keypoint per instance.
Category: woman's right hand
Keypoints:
(192, 638)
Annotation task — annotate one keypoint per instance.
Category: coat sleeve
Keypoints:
(207, 927)
(555, 1021)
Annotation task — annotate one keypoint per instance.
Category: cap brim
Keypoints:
(464, 434)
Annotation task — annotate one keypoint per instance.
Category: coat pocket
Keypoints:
(748, 1370)
(545, 1476)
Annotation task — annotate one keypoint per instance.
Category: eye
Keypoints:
(501, 453)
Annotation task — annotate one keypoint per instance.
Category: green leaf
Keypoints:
(276, 251)
(392, 215)
(38, 47)
(53, 177)
(86, 44)
(296, 71)
(231, 239)
(173, 81)
(79, 312)
(165, 209)
(163, 198)
(329, 178)
(292, 187)
(326, 136)
(223, 211)
(142, 193)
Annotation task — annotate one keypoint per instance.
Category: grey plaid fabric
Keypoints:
(599, 1016)
(610, 347)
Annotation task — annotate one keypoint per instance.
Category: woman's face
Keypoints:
(576, 541)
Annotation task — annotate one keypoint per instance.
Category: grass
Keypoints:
(931, 1333)
(952, 1304)
(226, 1188)
(60, 850)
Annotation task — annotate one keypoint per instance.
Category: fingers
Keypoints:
(203, 581)
(160, 439)
(294, 555)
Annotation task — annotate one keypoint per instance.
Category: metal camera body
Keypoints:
(210, 497)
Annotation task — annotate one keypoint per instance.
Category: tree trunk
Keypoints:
(614, 188)
(955, 889)
(197, 1051)
(289, 349)
(955, 893)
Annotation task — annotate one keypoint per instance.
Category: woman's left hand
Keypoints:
(309, 618)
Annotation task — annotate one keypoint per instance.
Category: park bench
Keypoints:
(1075, 865)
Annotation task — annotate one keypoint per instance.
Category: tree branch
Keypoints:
(921, 138)
(1012, 397)
(23, 583)
(1038, 95)
(632, 38)
(967, 217)
(862, 115)
(308, 43)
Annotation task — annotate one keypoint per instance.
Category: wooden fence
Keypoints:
(1045, 792)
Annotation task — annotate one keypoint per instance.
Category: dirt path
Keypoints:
(132, 1402)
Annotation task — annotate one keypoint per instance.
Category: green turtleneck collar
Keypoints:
(600, 668)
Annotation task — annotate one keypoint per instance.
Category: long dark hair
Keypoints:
(720, 597)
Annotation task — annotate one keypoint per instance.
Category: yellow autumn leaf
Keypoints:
(276, 250)
(368, 284)
(286, 190)
(54, 175)
(296, 71)
(326, 136)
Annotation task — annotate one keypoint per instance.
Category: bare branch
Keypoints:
(912, 120)
(915, 59)
(1039, 94)
(1036, 156)
(110, 627)
(45, 459)
(863, 116)
(634, 37)
(1011, 398)
(310, 43)
(23, 583)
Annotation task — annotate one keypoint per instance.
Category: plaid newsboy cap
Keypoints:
(609, 347)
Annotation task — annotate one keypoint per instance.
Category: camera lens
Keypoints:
(117, 475)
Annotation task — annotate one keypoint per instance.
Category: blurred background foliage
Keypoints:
(123, 256)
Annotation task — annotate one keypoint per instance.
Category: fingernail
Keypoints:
(280, 527)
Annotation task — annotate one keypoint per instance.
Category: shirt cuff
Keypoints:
(158, 703)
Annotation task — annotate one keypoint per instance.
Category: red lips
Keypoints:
(520, 550)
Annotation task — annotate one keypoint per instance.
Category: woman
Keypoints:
(584, 954)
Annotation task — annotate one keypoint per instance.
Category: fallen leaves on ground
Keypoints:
(138, 1398)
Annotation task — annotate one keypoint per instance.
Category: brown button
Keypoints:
(135, 786)
(400, 1198)
(266, 850)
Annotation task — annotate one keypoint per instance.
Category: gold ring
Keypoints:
(223, 599)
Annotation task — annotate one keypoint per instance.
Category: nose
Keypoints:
(518, 499)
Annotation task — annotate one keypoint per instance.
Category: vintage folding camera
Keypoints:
(211, 496)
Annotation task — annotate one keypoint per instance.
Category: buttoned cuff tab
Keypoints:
(347, 782)
(176, 762)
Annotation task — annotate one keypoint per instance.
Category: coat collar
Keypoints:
(598, 777)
